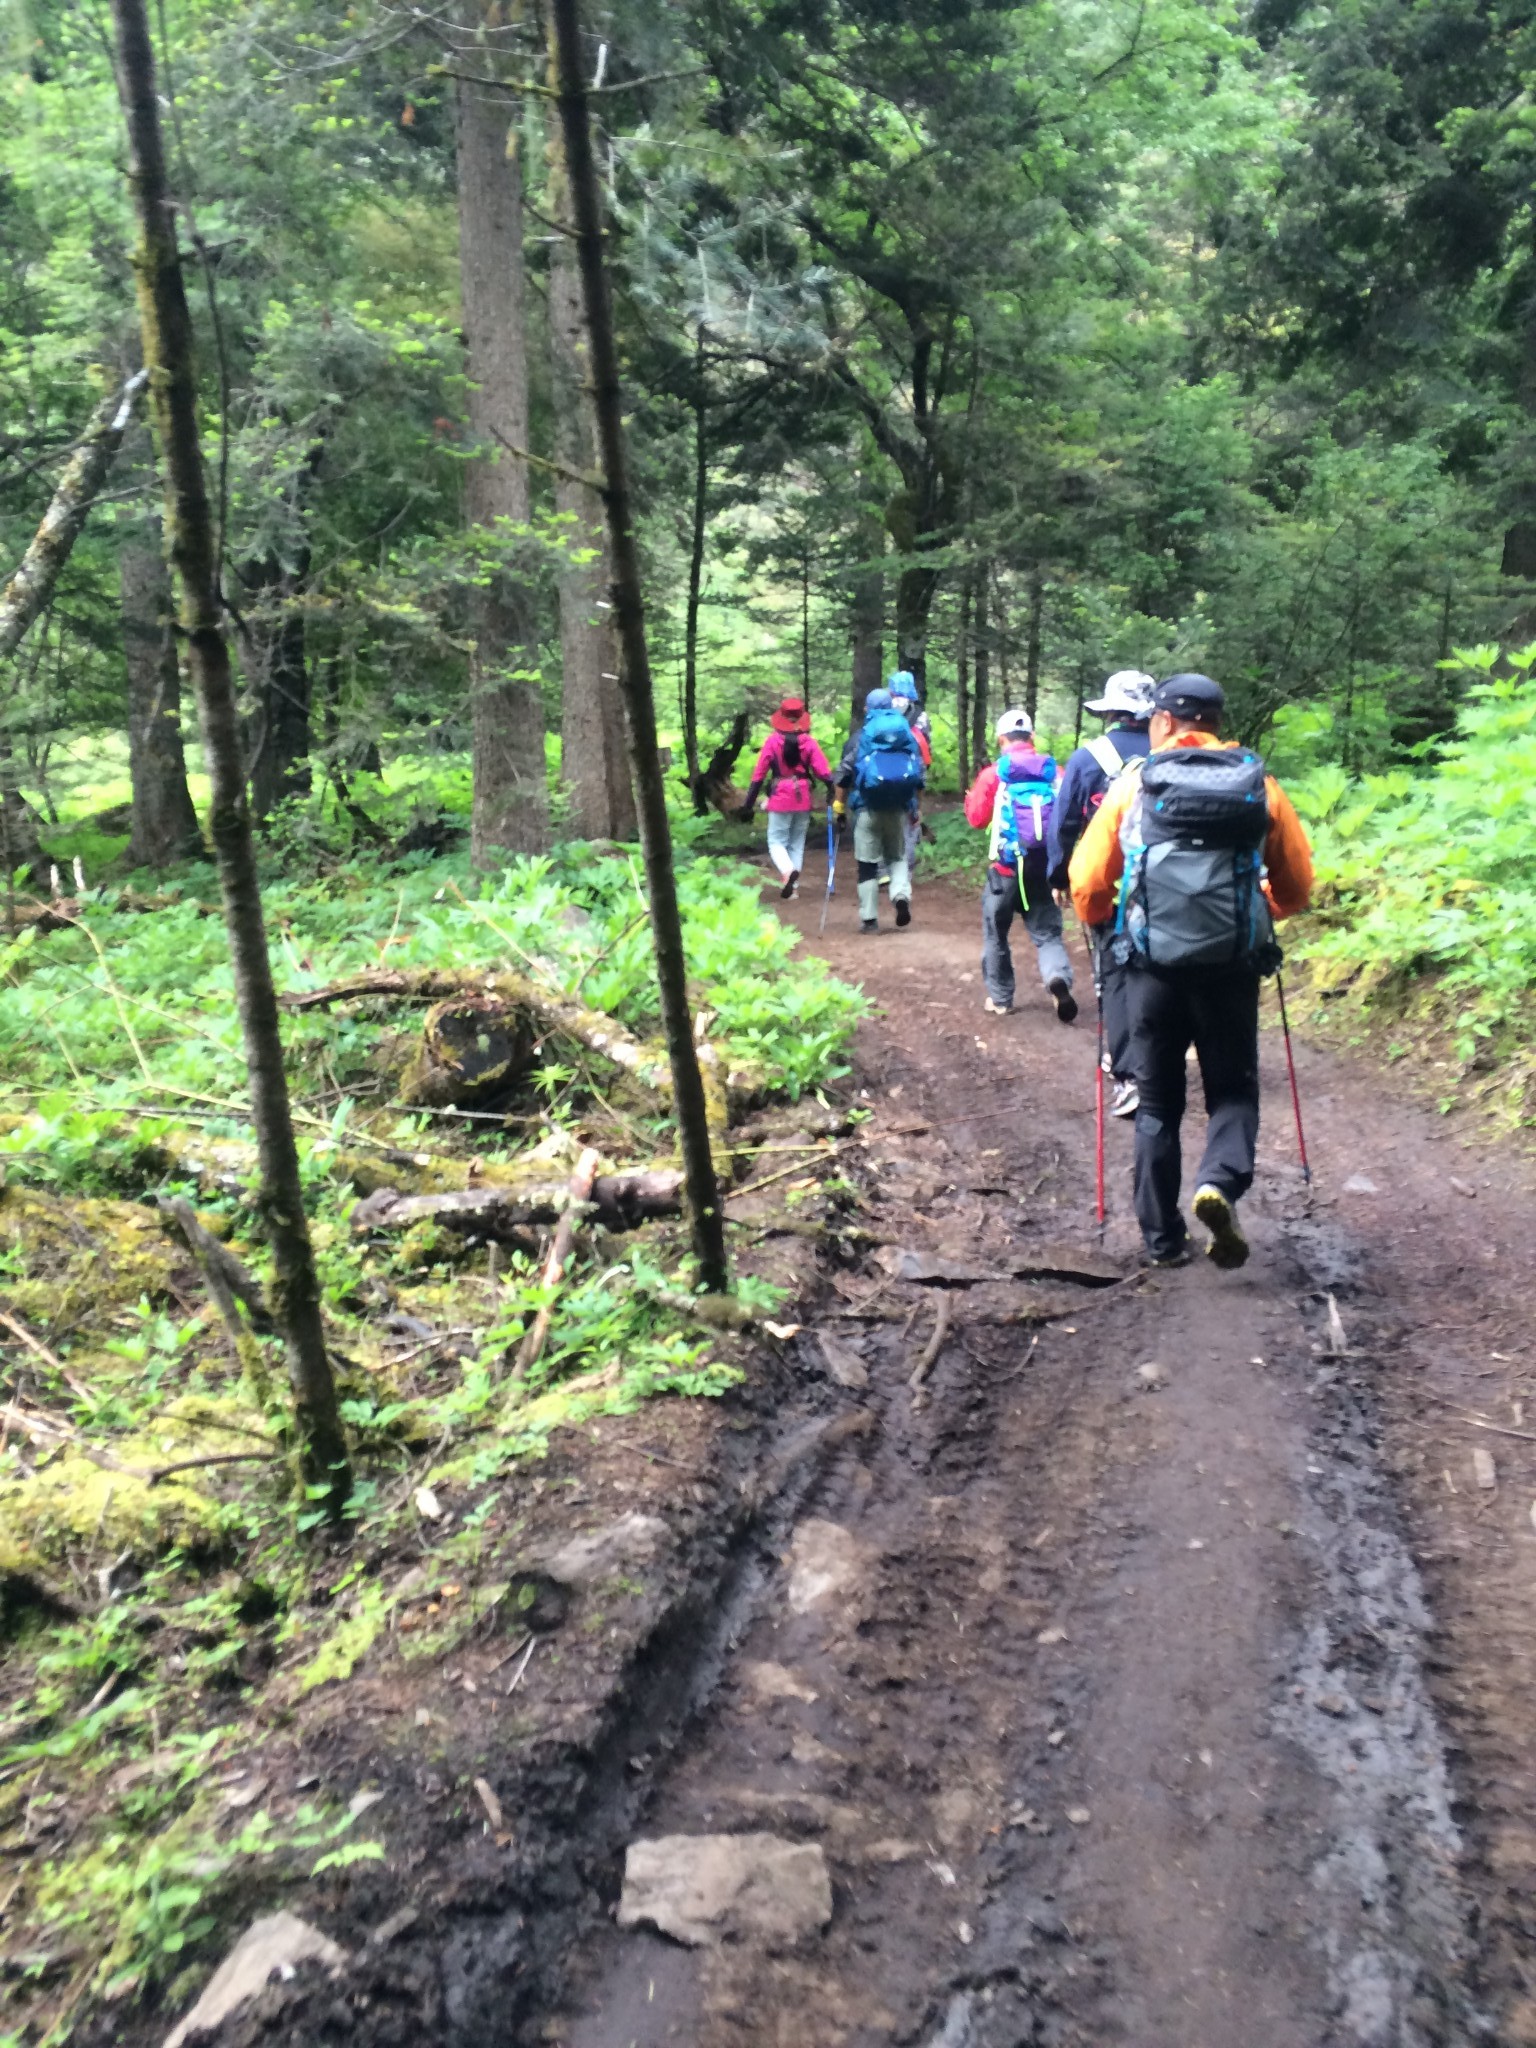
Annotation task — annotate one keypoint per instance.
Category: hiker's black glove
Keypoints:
(744, 813)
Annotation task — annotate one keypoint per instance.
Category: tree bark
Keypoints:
(511, 794)
(963, 686)
(981, 737)
(868, 625)
(705, 1216)
(165, 827)
(1032, 643)
(594, 765)
(695, 565)
(84, 474)
(277, 673)
(167, 336)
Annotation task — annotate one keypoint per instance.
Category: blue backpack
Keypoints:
(887, 769)
(1021, 813)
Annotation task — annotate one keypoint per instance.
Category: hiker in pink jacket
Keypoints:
(790, 763)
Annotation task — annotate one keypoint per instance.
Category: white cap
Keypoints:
(1128, 690)
(1016, 725)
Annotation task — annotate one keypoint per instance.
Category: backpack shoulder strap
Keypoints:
(1107, 754)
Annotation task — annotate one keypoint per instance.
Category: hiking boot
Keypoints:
(1065, 1001)
(1228, 1247)
(1127, 1099)
(903, 912)
(997, 1009)
(790, 880)
(1166, 1261)
(869, 925)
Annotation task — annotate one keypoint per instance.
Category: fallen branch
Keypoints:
(31, 586)
(226, 1278)
(53, 1434)
(583, 1174)
(153, 1478)
(40, 1350)
(930, 1351)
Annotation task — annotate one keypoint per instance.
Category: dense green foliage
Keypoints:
(1197, 337)
(1427, 873)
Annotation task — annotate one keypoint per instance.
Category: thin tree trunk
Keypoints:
(805, 628)
(963, 686)
(165, 826)
(1000, 634)
(705, 1217)
(981, 735)
(167, 335)
(696, 567)
(594, 765)
(510, 810)
(868, 621)
(1032, 644)
(84, 474)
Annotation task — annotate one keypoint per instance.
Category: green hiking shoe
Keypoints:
(1228, 1247)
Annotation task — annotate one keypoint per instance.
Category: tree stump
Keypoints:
(473, 1051)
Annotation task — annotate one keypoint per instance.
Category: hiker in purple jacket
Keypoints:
(790, 763)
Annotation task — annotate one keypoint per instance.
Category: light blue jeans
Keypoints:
(786, 840)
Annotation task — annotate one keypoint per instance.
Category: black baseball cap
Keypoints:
(1191, 696)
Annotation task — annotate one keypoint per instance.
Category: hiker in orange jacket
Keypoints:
(1192, 853)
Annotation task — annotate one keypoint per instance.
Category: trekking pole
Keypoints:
(1098, 1112)
(1098, 1082)
(1290, 1061)
(831, 869)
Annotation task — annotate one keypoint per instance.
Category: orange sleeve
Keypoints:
(1287, 855)
(1097, 860)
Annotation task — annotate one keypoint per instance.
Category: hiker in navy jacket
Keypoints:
(1125, 707)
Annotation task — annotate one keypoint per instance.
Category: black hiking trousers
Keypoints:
(1219, 1015)
(1111, 976)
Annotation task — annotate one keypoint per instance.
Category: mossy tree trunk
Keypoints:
(511, 792)
(594, 762)
(706, 1219)
(164, 820)
(167, 335)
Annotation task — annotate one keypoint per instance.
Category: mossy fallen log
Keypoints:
(621, 1200)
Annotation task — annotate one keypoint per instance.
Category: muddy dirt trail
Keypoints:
(1157, 1675)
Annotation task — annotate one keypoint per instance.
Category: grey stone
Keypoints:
(700, 1888)
(276, 1943)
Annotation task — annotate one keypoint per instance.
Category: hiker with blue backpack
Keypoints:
(907, 699)
(1192, 854)
(881, 773)
(1014, 798)
(1125, 706)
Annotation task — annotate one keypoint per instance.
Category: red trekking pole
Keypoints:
(1098, 1088)
(1290, 1061)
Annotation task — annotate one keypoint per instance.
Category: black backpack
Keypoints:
(1193, 838)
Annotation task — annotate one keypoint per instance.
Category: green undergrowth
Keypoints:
(1426, 877)
(136, 1008)
(157, 1625)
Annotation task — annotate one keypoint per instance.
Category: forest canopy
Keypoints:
(1014, 343)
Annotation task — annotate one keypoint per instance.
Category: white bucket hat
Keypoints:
(1128, 690)
(1016, 725)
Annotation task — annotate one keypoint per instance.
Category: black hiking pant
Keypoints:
(1219, 1015)
(1110, 979)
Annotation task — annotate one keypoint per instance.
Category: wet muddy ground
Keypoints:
(1159, 1676)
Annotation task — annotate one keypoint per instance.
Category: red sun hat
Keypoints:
(791, 716)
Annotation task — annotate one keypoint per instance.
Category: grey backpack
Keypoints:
(1193, 839)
